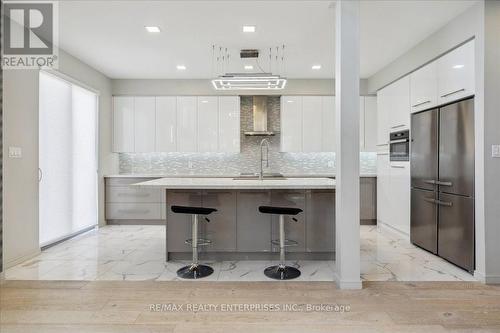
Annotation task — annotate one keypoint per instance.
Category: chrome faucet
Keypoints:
(266, 142)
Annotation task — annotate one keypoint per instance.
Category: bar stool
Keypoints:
(195, 270)
(281, 271)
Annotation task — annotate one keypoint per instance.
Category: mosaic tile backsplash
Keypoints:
(248, 160)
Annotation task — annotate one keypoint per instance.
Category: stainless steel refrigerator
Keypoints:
(442, 182)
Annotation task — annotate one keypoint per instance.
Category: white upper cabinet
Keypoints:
(291, 123)
(361, 123)
(187, 121)
(328, 123)
(229, 124)
(456, 74)
(370, 128)
(383, 105)
(399, 104)
(312, 138)
(123, 124)
(166, 124)
(423, 87)
(145, 124)
(208, 123)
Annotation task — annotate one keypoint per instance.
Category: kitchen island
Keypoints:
(237, 230)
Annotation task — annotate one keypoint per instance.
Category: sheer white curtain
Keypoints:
(67, 158)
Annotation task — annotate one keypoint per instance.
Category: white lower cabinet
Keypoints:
(393, 193)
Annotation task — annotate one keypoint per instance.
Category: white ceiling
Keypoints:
(110, 35)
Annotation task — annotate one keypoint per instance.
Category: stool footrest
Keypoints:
(288, 242)
(201, 241)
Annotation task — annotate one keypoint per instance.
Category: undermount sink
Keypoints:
(266, 176)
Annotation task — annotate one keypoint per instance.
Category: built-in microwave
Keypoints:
(399, 143)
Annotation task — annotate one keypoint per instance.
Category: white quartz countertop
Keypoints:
(244, 184)
(141, 175)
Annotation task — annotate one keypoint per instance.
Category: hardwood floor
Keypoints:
(100, 306)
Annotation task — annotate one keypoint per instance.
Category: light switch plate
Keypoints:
(495, 151)
(15, 152)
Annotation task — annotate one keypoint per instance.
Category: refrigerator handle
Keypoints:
(444, 183)
(444, 203)
(430, 181)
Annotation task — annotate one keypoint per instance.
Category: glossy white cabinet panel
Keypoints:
(370, 142)
(229, 124)
(311, 124)
(399, 104)
(361, 123)
(166, 124)
(123, 124)
(383, 105)
(383, 187)
(399, 195)
(208, 123)
(456, 74)
(145, 124)
(328, 123)
(423, 88)
(187, 121)
(291, 123)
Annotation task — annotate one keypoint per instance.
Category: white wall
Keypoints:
(204, 87)
(20, 129)
(458, 30)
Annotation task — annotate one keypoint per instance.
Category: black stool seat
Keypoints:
(279, 210)
(193, 210)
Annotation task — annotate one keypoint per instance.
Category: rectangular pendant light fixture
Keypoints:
(257, 81)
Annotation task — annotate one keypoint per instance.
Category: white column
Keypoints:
(347, 254)
(489, 137)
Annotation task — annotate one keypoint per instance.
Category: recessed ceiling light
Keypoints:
(316, 67)
(458, 66)
(249, 28)
(248, 67)
(152, 29)
(181, 67)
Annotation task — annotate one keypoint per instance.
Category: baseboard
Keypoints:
(347, 284)
(487, 279)
(385, 227)
(368, 222)
(14, 262)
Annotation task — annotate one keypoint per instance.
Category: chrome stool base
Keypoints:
(282, 272)
(195, 271)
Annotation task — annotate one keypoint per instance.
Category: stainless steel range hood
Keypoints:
(259, 117)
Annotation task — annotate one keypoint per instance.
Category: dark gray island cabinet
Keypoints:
(238, 230)
(238, 227)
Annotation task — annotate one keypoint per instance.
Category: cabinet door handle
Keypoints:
(422, 103)
(382, 144)
(142, 195)
(397, 126)
(444, 183)
(171, 134)
(431, 200)
(40, 175)
(132, 211)
(453, 92)
(444, 203)
(398, 166)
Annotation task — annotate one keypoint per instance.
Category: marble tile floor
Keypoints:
(137, 253)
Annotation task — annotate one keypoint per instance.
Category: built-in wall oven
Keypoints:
(399, 146)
